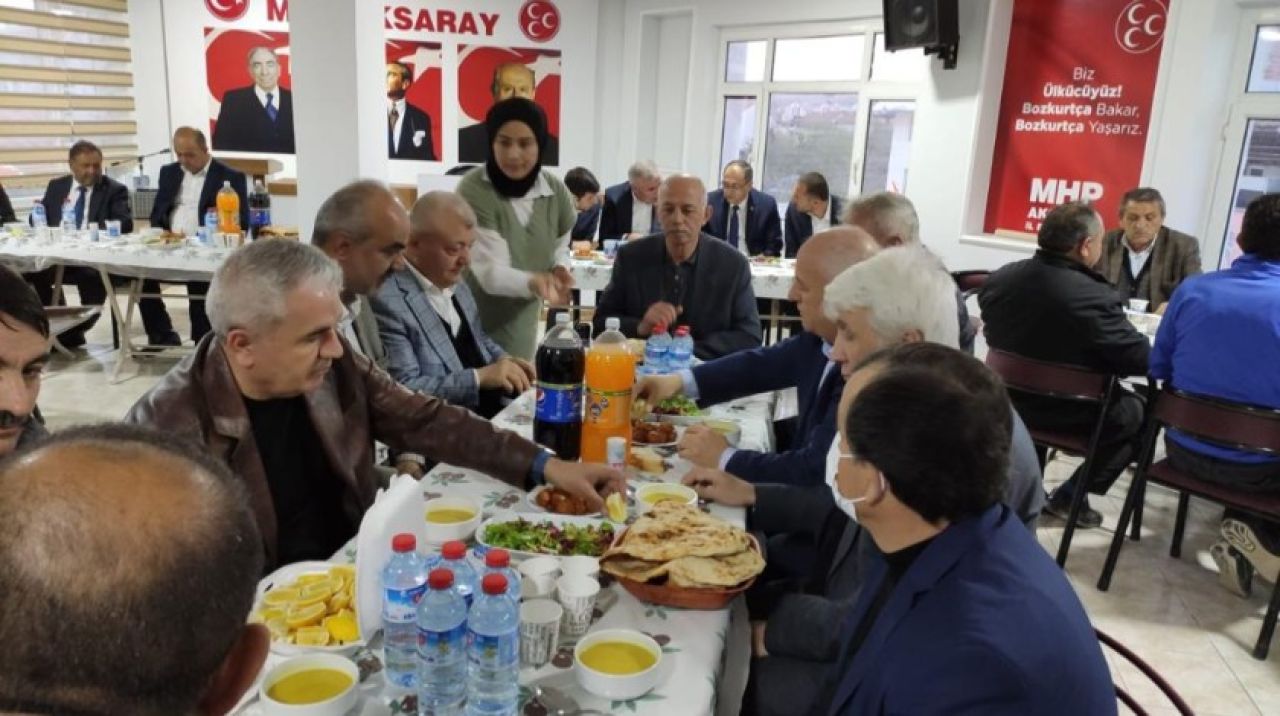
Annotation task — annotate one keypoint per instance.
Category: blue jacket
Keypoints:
(1220, 337)
(420, 354)
(584, 227)
(983, 622)
(798, 362)
(615, 218)
(763, 227)
(171, 184)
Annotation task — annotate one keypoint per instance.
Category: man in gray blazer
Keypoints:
(428, 319)
(683, 277)
(1145, 259)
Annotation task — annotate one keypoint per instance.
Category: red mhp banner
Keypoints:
(1075, 108)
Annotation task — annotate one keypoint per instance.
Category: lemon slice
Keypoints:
(278, 628)
(339, 601)
(267, 614)
(342, 627)
(616, 507)
(300, 615)
(316, 592)
(345, 571)
(311, 636)
(282, 597)
(311, 578)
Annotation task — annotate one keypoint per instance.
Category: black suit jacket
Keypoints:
(415, 120)
(473, 146)
(584, 227)
(720, 309)
(800, 225)
(763, 227)
(243, 124)
(108, 202)
(171, 186)
(615, 218)
(6, 208)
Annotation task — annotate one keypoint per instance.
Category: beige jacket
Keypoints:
(1174, 257)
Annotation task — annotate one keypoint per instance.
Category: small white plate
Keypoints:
(531, 500)
(558, 520)
(286, 575)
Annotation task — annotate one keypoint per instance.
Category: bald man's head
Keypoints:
(820, 259)
(130, 560)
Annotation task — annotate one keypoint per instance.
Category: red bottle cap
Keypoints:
(497, 558)
(454, 550)
(404, 542)
(494, 584)
(440, 579)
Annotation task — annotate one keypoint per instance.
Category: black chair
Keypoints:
(1066, 382)
(1152, 675)
(1234, 425)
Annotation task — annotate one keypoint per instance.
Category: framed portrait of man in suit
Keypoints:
(250, 100)
(413, 100)
(490, 74)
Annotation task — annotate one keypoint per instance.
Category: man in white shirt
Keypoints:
(1143, 258)
(428, 320)
(630, 207)
(408, 127)
(257, 118)
(812, 209)
(742, 215)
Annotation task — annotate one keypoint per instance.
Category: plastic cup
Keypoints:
(539, 631)
(538, 577)
(580, 566)
(1137, 305)
(577, 594)
(113, 229)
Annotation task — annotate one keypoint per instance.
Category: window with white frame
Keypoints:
(823, 98)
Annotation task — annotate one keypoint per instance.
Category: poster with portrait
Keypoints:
(413, 100)
(489, 74)
(250, 103)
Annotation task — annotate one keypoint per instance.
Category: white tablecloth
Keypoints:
(768, 280)
(705, 652)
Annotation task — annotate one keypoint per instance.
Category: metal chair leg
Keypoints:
(1135, 530)
(1180, 524)
(1268, 625)
(1078, 497)
(1132, 502)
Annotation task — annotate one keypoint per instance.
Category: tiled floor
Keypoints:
(1172, 612)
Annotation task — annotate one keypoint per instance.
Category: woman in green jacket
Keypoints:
(524, 216)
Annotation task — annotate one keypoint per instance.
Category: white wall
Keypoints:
(955, 115)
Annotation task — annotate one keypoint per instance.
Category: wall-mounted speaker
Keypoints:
(930, 24)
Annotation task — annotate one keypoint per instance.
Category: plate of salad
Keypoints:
(526, 536)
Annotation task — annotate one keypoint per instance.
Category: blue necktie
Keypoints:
(80, 207)
(271, 108)
(733, 227)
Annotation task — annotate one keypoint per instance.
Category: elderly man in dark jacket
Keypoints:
(277, 393)
(1054, 308)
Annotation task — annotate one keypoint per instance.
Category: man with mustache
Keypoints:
(24, 348)
(277, 393)
(1144, 259)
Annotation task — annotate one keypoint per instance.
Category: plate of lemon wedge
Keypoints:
(309, 607)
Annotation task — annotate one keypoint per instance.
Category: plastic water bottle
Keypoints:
(39, 219)
(464, 575)
(404, 580)
(498, 561)
(493, 651)
(657, 351)
(259, 207)
(211, 220)
(442, 647)
(68, 223)
(681, 355)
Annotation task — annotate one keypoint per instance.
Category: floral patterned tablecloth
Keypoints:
(705, 652)
(768, 280)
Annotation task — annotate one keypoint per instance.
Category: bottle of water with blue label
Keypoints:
(454, 559)
(68, 222)
(442, 647)
(681, 355)
(404, 580)
(657, 351)
(493, 651)
(210, 226)
(561, 364)
(38, 218)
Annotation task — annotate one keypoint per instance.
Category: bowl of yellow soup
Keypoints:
(311, 685)
(450, 518)
(617, 664)
(653, 493)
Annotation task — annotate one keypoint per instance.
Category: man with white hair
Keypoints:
(631, 208)
(898, 296)
(429, 321)
(276, 393)
(1054, 308)
(891, 218)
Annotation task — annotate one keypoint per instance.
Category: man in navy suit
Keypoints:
(189, 188)
(630, 208)
(812, 209)
(257, 118)
(95, 198)
(743, 216)
(586, 201)
(962, 611)
(429, 322)
(800, 362)
(408, 128)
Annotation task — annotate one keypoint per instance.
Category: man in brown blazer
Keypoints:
(276, 392)
(1145, 259)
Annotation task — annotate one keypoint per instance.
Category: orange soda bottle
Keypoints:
(228, 209)
(610, 376)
